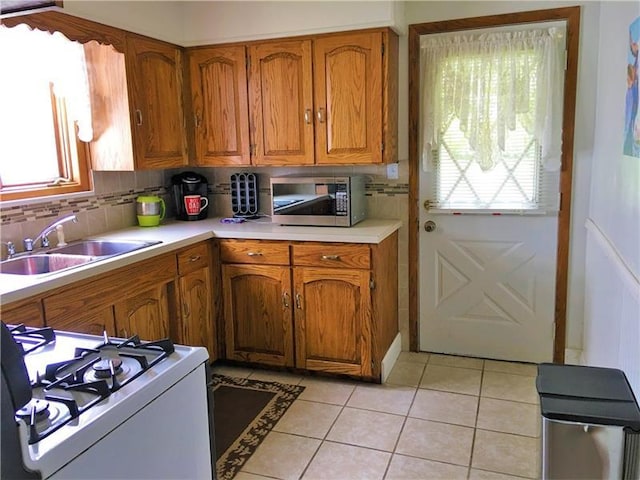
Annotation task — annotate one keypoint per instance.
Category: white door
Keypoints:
(488, 265)
(487, 286)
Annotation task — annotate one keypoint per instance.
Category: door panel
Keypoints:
(348, 97)
(488, 286)
(219, 90)
(258, 313)
(281, 99)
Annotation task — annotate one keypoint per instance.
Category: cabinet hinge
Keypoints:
(372, 365)
(372, 284)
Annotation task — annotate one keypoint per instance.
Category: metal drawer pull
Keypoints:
(285, 300)
(331, 257)
(307, 116)
(254, 254)
(320, 115)
(298, 301)
(194, 258)
(138, 117)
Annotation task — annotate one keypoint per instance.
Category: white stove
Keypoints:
(112, 408)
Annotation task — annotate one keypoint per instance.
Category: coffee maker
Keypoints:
(185, 186)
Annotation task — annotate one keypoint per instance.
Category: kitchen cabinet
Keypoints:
(256, 285)
(195, 283)
(219, 102)
(320, 100)
(281, 102)
(146, 314)
(336, 302)
(139, 297)
(137, 105)
(28, 313)
(333, 308)
(154, 76)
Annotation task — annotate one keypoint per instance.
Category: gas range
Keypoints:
(83, 387)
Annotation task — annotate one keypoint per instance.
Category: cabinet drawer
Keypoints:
(193, 258)
(332, 255)
(256, 252)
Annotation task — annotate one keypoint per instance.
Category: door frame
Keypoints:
(572, 17)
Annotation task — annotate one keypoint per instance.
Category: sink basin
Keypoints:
(102, 248)
(43, 263)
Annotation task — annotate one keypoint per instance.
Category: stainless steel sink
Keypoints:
(39, 264)
(102, 248)
(70, 256)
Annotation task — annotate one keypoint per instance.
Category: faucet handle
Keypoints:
(11, 249)
(28, 244)
(44, 241)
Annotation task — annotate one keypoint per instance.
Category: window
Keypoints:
(45, 113)
(490, 137)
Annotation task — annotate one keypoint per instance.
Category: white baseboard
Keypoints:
(390, 357)
(573, 356)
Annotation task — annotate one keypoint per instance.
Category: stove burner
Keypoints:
(102, 368)
(41, 410)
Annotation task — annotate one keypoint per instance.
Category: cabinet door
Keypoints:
(333, 320)
(220, 108)
(348, 98)
(257, 310)
(29, 314)
(145, 314)
(155, 82)
(197, 310)
(281, 102)
(94, 323)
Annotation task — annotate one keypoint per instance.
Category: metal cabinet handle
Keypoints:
(194, 258)
(285, 300)
(307, 116)
(138, 117)
(321, 115)
(298, 301)
(330, 257)
(196, 120)
(254, 254)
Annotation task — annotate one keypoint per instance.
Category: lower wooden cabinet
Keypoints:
(171, 295)
(27, 312)
(329, 307)
(257, 313)
(146, 314)
(195, 286)
(333, 320)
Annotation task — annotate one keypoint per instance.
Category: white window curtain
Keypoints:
(41, 56)
(485, 80)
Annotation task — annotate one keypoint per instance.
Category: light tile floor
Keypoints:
(436, 417)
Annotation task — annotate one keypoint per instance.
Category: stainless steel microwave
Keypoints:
(321, 201)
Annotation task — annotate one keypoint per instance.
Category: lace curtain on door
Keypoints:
(488, 80)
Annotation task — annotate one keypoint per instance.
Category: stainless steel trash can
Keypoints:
(590, 423)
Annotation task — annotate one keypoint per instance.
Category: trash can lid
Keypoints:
(583, 394)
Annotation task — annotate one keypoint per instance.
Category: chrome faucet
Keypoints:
(11, 249)
(43, 236)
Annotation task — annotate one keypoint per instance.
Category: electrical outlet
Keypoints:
(392, 171)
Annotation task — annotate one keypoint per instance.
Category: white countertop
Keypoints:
(176, 234)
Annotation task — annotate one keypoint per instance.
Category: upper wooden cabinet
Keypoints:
(348, 96)
(154, 75)
(327, 99)
(281, 103)
(219, 102)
